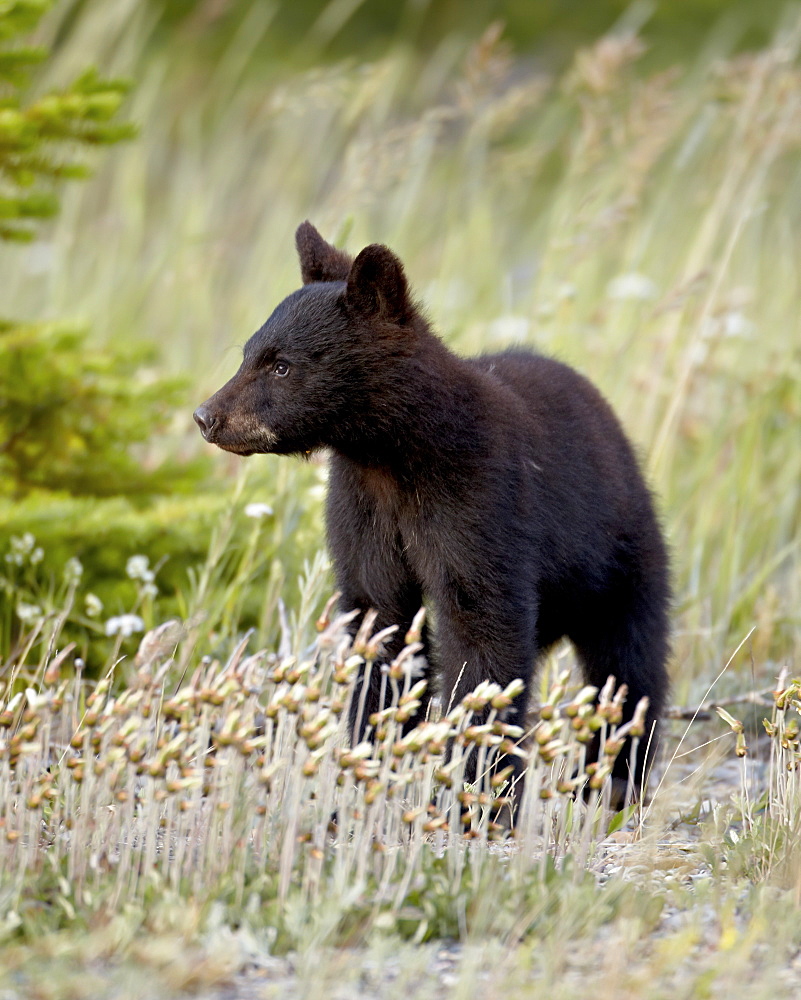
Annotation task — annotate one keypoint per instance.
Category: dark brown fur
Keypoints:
(501, 488)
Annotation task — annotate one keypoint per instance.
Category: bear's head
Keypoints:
(315, 374)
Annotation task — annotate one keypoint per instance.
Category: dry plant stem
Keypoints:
(196, 792)
(731, 659)
(720, 210)
(706, 710)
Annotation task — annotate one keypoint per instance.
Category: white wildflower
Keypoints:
(124, 625)
(731, 324)
(258, 510)
(35, 699)
(22, 548)
(737, 324)
(37, 555)
(93, 605)
(631, 287)
(149, 589)
(566, 290)
(28, 613)
(24, 544)
(137, 568)
(73, 569)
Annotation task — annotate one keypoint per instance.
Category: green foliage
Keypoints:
(68, 415)
(38, 137)
(79, 562)
(71, 415)
(307, 32)
(66, 418)
(762, 839)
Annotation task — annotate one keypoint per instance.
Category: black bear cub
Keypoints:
(501, 488)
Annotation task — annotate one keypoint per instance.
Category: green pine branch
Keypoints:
(69, 415)
(17, 17)
(40, 138)
(15, 65)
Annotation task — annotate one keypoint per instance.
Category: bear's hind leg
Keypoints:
(626, 635)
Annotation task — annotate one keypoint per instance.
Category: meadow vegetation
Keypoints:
(176, 797)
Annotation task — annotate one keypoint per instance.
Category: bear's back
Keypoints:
(549, 389)
(568, 430)
(554, 399)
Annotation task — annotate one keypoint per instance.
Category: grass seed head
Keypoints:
(415, 632)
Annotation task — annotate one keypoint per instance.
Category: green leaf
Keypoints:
(38, 139)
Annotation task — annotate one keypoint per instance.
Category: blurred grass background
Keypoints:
(614, 184)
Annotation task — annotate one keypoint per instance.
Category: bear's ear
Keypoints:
(319, 261)
(377, 285)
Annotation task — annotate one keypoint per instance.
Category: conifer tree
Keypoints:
(40, 139)
(68, 413)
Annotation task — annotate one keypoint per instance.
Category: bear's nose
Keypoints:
(205, 420)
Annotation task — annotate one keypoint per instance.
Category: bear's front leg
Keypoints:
(372, 690)
(489, 642)
(372, 573)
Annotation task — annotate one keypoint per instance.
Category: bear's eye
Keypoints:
(280, 368)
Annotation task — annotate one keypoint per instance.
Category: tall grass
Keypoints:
(233, 780)
(214, 804)
(643, 228)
